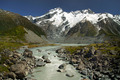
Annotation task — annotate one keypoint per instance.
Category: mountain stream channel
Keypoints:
(49, 71)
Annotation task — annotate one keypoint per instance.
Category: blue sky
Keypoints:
(40, 7)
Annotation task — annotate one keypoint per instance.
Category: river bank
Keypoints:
(51, 70)
(14, 65)
(71, 62)
(97, 61)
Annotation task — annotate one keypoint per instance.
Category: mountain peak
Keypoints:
(87, 11)
(58, 10)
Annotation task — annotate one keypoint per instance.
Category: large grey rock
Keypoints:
(20, 69)
(21, 74)
(17, 67)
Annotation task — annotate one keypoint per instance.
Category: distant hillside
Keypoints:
(14, 27)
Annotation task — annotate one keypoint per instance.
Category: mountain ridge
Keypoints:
(60, 23)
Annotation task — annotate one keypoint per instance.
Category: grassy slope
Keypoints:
(12, 24)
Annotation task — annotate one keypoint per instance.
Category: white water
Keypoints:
(49, 71)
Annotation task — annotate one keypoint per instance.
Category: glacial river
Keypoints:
(49, 71)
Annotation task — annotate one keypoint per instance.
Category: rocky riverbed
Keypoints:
(92, 62)
(16, 65)
(35, 64)
(53, 68)
(56, 63)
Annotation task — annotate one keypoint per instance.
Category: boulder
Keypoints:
(62, 66)
(49, 53)
(40, 64)
(73, 61)
(97, 75)
(47, 61)
(20, 69)
(17, 67)
(80, 66)
(28, 53)
(11, 75)
(83, 72)
(8, 61)
(45, 57)
(38, 50)
(82, 51)
(60, 50)
(61, 70)
(61, 55)
(39, 60)
(16, 55)
(21, 74)
(69, 75)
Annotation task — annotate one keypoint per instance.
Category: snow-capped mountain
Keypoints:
(58, 23)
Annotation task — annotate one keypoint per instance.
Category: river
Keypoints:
(49, 71)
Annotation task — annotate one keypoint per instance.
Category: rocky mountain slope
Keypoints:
(83, 26)
(16, 28)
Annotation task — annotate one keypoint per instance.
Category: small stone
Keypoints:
(69, 75)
